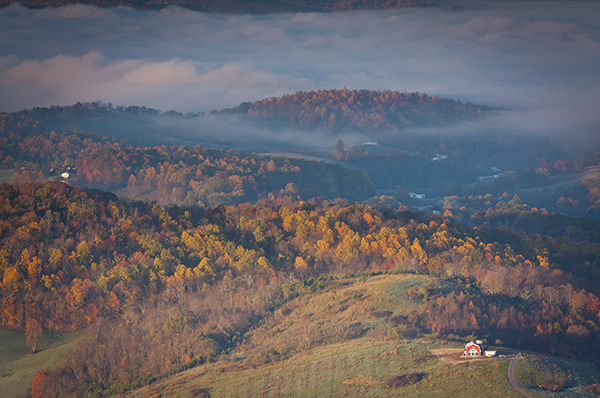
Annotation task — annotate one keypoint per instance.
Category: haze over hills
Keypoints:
(539, 61)
(359, 130)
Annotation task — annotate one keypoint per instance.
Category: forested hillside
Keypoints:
(364, 109)
(72, 258)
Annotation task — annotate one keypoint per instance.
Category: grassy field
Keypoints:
(358, 368)
(538, 373)
(6, 175)
(18, 366)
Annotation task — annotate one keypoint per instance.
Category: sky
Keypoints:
(540, 59)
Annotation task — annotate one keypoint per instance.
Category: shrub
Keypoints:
(200, 393)
(402, 380)
(592, 388)
(554, 385)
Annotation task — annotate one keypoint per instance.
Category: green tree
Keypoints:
(180, 319)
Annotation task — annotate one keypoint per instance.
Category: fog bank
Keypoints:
(539, 58)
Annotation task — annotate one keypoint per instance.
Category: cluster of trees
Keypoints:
(156, 338)
(48, 153)
(363, 109)
(515, 215)
(568, 241)
(567, 186)
(235, 6)
(567, 165)
(528, 307)
(79, 110)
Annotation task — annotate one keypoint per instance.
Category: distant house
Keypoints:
(66, 175)
(473, 349)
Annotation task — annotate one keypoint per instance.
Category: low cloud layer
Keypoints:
(539, 58)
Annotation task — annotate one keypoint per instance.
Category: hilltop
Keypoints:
(362, 109)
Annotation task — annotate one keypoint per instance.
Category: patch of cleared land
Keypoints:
(452, 356)
(6, 175)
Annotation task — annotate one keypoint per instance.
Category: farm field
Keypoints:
(6, 175)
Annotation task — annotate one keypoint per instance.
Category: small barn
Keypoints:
(473, 349)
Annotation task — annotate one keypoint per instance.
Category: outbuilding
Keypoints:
(473, 349)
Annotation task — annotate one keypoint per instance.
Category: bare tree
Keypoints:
(552, 294)
(493, 281)
(513, 281)
(34, 334)
(248, 279)
(341, 328)
(526, 293)
(306, 337)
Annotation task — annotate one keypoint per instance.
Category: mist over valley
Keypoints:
(539, 61)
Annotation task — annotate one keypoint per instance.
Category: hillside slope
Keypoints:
(19, 366)
(344, 341)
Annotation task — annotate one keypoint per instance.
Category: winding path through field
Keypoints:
(513, 381)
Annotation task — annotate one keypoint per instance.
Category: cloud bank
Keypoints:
(540, 58)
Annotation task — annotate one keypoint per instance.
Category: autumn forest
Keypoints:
(224, 238)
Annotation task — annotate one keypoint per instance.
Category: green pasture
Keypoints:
(18, 365)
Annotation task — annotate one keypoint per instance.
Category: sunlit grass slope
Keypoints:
(358, 368)
(18, 366)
